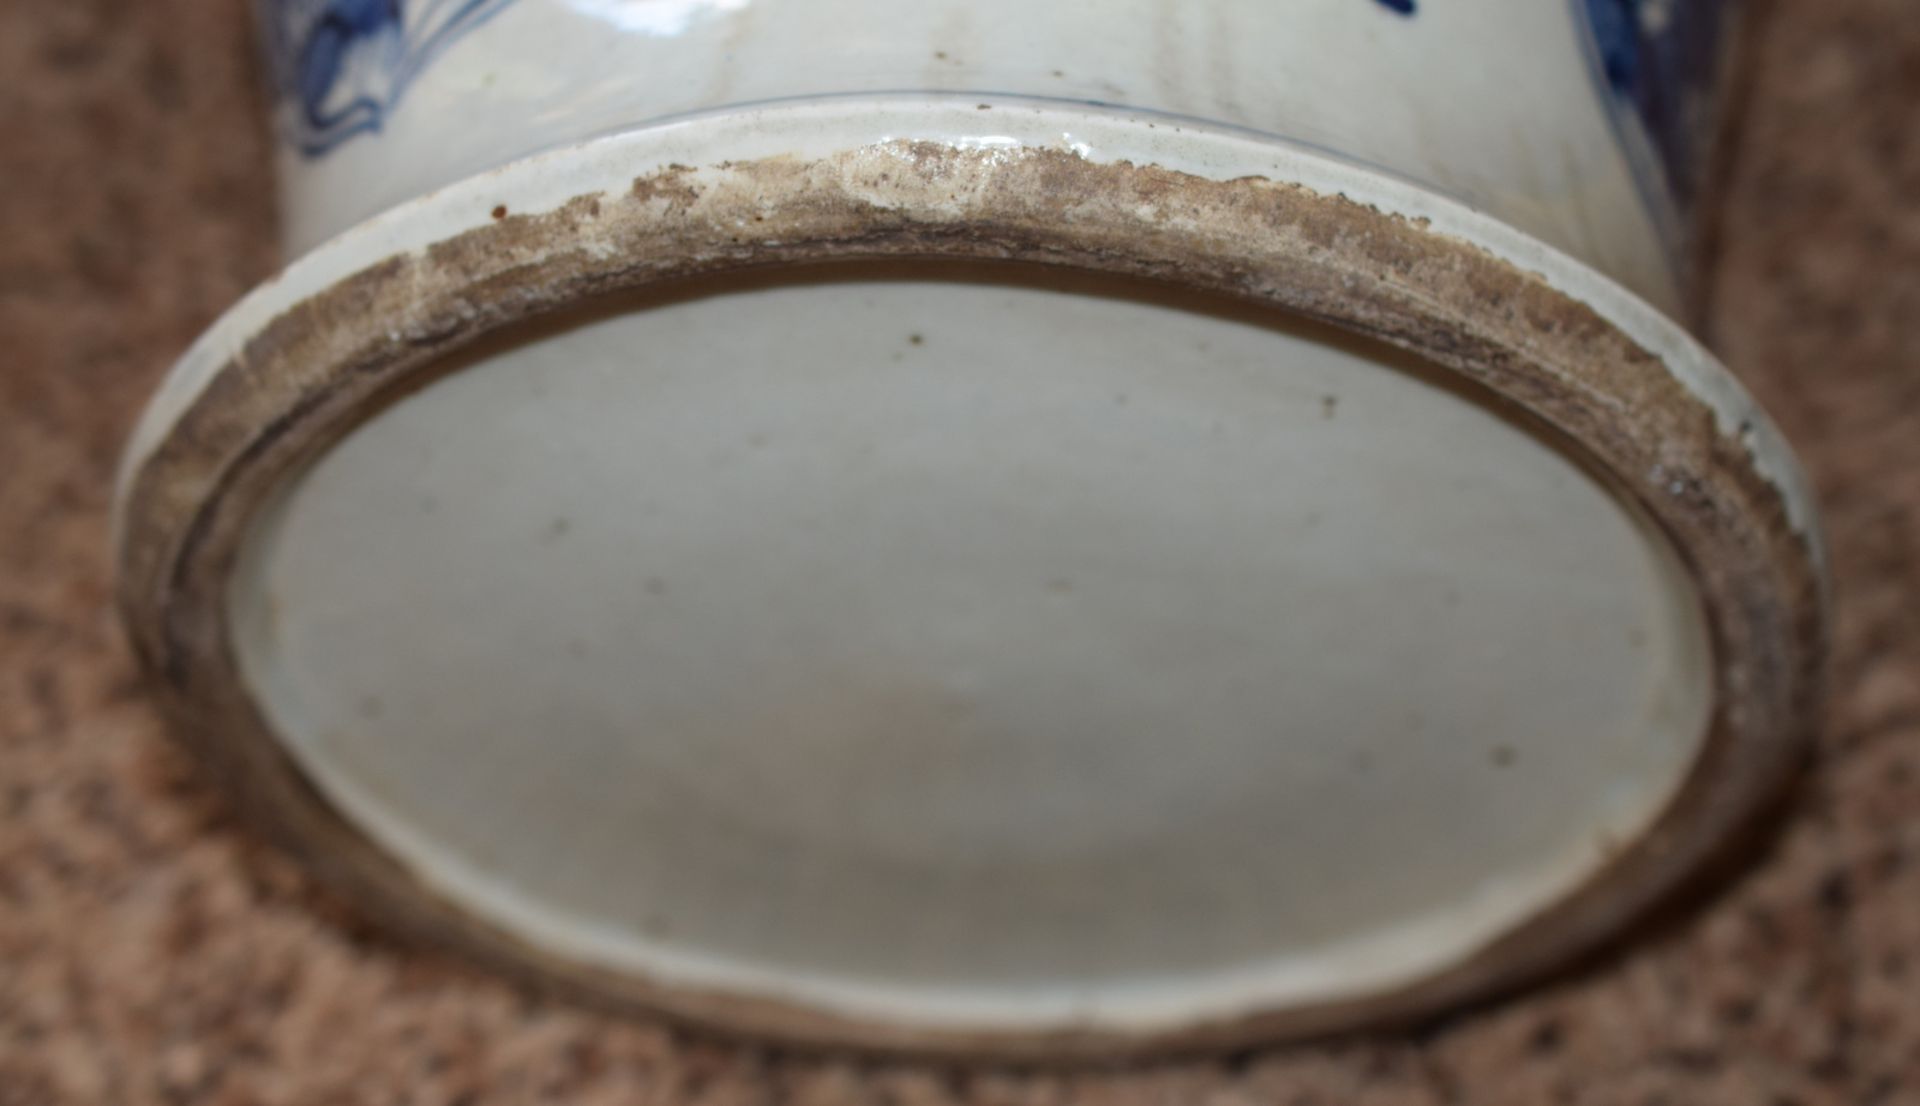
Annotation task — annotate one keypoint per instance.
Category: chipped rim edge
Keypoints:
(302, 360)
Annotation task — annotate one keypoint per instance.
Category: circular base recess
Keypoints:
(940, 595)
(972, 654)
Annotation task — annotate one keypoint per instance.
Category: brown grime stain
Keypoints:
(671, 185)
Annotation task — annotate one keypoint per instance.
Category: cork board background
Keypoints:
(152, 952)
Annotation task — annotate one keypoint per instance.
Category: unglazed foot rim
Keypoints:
(1675, 440)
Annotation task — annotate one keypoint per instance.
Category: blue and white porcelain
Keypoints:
(340, 67)
(1031, 529)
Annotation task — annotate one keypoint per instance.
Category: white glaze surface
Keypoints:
(964, 655)
(1489, 101)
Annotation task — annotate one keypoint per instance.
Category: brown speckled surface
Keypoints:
(151, 952)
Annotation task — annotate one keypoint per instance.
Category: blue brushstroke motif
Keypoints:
(1404, 7)
(1660, 61)
(340, 67)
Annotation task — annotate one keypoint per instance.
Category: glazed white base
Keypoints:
(971, 655)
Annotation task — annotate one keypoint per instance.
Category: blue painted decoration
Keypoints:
(1659, 62)
(340, 67)
(1403, 7)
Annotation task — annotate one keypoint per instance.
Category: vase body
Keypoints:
(1036, 529)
